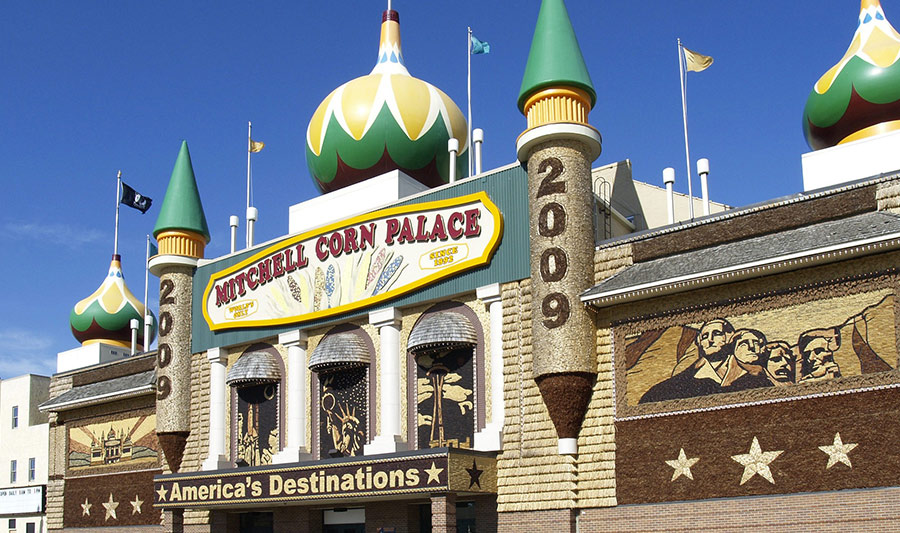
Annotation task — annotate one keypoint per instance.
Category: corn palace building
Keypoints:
(516, 350)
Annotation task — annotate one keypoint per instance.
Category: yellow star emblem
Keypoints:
(837, 452)
(136, 505)
(682, 465)
(756, 462)
(110, 507)
(86, 508)
(161, 492)
(434, 473)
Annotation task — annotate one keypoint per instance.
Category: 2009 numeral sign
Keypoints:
(164, 351)
(554, 265)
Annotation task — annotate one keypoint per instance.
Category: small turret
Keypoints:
(558, 148)
(182, 234)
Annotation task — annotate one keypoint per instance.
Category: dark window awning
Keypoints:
(254, 368)
(103, 391)
(339, 350)
(441, 331)
(821, 243)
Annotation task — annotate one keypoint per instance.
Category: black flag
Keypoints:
(132, 198)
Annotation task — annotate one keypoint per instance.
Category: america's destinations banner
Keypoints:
(354, 263)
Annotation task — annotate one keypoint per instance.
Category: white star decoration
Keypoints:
(837, 452)
(110, 507)
(161, 493)
(86, 508)
(682, 465)
(756, 462)
(136, 505)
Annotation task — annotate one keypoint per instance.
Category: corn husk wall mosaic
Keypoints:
(130, 441)
(805, 343)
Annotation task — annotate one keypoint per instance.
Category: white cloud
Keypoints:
(25, 352)
(60, 234)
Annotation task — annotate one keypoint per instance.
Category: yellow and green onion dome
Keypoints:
(105, 316)
(384, 121)
(860, 96)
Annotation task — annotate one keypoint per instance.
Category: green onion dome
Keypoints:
(105, 316)
(384, 121)
(860, 96)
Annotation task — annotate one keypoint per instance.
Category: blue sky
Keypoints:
(89, 88)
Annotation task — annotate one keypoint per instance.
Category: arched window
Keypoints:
(255, 381)
(445, 345)
(341, 362)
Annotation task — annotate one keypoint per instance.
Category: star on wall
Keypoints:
(682, 465)
(756, 462)
(433, 473)
(110, 507)
(136, 505)
(837, 452)
(474, 474)
(161, 492)
(86, 508)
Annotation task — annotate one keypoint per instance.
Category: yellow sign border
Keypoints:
(473, 262)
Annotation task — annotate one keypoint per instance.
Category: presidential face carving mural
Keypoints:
(818, 341)
(445, 398)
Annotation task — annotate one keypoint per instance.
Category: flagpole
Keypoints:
(248, 182)
(469, 91)
(687, 152)
(118, 198)
(146, 343)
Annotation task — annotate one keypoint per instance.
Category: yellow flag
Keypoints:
(696, 62)
(256, 146)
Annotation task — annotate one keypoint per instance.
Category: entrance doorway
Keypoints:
(344, 520)
(254, 522)
(465, 517)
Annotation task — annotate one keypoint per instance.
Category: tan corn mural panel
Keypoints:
(127, 443)
(808, 342)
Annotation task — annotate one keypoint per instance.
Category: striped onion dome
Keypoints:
(441, 330)
(859, 96)
(254, 368)
(384, 121)
(337, 351)
(105, 316)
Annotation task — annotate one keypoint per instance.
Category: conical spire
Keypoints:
(555, 58)
(182, 209)
(390, 53)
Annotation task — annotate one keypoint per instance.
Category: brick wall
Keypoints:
(402, 516)
(295, 519)
(529, 522)
(850, 510)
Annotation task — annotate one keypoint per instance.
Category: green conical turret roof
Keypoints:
(555, 58)
(182, 209)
